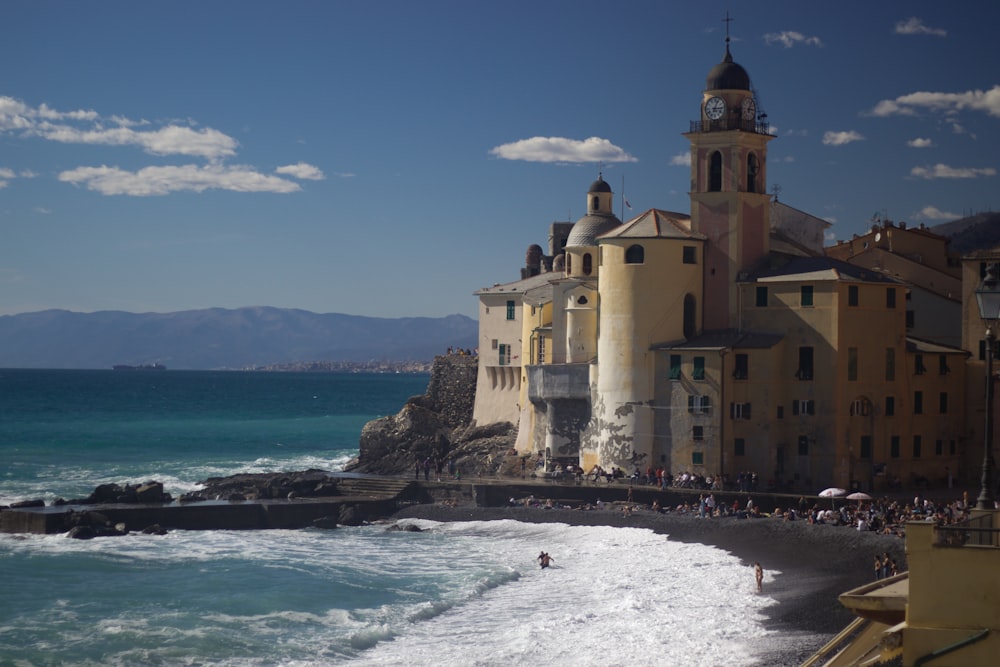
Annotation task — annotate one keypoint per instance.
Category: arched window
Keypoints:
(595, 203)
(569, 264)
(588, 264)
(635, 254)
(752, 169)
(715, 173)
(690, 312)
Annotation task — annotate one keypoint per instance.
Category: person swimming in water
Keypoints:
(545, 559)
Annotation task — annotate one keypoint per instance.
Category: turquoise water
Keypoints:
(64, 432)
(461, 594)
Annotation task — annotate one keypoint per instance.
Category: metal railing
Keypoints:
(724, 124)
(977, 531)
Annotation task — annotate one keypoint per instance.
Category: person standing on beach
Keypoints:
(758, 573)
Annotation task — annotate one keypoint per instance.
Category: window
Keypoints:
(741, 372)
(698, 433)
(739, 410)
(697, 458)
(803, 445)
(938, 447)
(890, 406)
(504, 355)
(781, 412)
(495, 344)
(541, 350)
(698, 405)
(806, 295)
(890, 297)
(715, 172)
(588, 264)
(890, 364)
(761, 301)
(804, 407)
(675, 367)
(919, 364)
(943, 402)
(805, 370)
(909, 319)
(918, 402)
(894, 446)
(690, 254)
(861, 407)
(595, 203)
(866, 446)
(690, 313)
(852, 295)
(852, 364)
(739, 447)
(916, 446)
(699, 368)
(511, 310)
(943, 365)
(635, 254)
(752, 171)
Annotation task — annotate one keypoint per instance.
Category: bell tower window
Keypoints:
(588, 264)
(595, 203)
(715, 173)
(752, 170)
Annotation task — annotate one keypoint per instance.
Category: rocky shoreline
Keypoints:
(813, 564)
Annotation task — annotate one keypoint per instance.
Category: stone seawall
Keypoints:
(354, 509)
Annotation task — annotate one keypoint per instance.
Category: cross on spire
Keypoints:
(727, 21)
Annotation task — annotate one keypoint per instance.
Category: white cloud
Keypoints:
(87, 127)
(915, 26)
(934, 213)
(6, 173)
(841, 138)
(944, 171)
(681, 160)
(170, 140)
(163, 180)
(972, 100)
(301, 170)
(560, 149)
(920, 142)
(790, 38)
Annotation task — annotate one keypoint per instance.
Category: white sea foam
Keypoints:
(456, 594)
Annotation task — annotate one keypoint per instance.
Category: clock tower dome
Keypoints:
(729, 201)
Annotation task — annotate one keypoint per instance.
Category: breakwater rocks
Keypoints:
(436, 425)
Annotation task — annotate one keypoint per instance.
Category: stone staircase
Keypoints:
(372, 487)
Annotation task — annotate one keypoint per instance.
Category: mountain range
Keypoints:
(265, 337)
(218, 338)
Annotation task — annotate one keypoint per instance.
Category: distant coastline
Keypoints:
(140, 367)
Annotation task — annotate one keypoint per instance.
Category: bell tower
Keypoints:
(729, 201)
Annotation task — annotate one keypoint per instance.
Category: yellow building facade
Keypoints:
(726, 341)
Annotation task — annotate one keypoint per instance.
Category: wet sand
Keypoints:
(816, 562)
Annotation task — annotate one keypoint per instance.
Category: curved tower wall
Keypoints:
(642, 305)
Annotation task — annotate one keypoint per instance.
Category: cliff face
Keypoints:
(436, 425)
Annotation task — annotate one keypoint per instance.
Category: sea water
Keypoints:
(465, 593)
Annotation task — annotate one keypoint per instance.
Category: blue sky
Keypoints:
(388, 158)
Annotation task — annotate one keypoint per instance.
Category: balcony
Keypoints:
(726, 124)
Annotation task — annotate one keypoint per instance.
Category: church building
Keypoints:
(718, 341)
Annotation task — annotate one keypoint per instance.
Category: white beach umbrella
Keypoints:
(858, 495)
(832, 492)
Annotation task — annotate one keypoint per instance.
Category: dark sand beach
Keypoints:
(816, 562)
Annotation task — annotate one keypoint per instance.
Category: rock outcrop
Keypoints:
(436, 425)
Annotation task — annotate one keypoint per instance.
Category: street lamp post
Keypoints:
(988, 299)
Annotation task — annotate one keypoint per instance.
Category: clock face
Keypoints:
(749, 109)
(715, 107)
